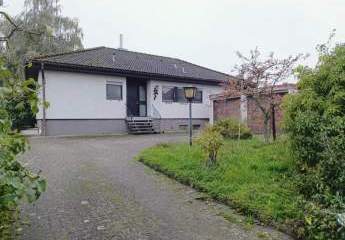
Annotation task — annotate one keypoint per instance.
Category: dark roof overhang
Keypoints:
(54, 66)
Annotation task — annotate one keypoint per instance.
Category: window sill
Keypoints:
(183, 103)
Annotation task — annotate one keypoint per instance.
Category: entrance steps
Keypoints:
(143, 125)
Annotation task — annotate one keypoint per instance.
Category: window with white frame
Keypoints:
(168, 94)
(114, 91)
(176, 94)
(180, 95)
(198, 96)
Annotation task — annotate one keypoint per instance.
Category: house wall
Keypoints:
(174, 115)
(172, 110)
(68, 127)
(81, 96)
(78, 104)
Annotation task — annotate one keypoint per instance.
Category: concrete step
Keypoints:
(142, 125)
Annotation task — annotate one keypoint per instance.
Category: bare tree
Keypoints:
(258, 79)
(14, 27)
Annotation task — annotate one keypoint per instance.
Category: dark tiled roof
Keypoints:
(128, 61)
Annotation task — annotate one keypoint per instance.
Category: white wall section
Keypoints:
(82, 96)
(181, 110)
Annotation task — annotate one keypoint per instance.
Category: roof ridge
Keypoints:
(142, 53)
(206, 68)
(149, 54)
(66, 53)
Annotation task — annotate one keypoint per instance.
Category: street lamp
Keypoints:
(189, 93)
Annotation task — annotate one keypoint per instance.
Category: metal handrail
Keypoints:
(156, 116)
(155, 113)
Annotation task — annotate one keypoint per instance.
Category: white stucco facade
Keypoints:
(173, 110)
(81, 96)
(78, 104)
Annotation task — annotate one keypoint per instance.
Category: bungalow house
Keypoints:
(105, 90)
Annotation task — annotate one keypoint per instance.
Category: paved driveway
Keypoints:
(97, 191)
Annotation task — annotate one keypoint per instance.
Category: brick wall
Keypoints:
(224, 108)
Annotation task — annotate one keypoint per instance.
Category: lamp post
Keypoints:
(189, 93)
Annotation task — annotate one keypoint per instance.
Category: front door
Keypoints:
(136, 98)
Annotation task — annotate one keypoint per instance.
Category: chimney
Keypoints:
(121, 42)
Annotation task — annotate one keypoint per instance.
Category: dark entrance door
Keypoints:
(136, 98)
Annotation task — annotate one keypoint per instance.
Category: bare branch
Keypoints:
(15, 28)
(259, 78)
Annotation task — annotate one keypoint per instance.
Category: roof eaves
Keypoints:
(112, 70)
(65, 53)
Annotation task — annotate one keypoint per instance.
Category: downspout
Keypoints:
(44, 120)
(211, 111)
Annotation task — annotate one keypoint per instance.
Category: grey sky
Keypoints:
(207, 32)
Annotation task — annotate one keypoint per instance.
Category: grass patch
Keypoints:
(253, 177)
(8, 223)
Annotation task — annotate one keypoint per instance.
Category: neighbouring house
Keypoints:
(246, 110)
(105, 90)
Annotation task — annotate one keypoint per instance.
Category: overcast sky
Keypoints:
(207, 32)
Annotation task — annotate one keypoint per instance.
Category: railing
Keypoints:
(156, 119)
(155, 113)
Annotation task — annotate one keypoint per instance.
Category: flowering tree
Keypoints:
(258, 79)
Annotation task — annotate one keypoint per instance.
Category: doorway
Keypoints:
(136, 98)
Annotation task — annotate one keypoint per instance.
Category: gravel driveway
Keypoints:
(97, 191)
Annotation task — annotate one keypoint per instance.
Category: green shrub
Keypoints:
(321, 218)
(20, 100)
(210, 141)
(315, 123)
(230, 128)
(16, 182)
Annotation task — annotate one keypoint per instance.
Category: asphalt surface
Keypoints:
(97, 191)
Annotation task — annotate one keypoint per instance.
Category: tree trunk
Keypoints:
(266, 128)
(274, 131)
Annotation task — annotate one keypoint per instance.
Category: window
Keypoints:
(114, 91)
(198, 96)
(176, 94)
(183, 127)
(168, 94)
(196, 126)
(180, 95)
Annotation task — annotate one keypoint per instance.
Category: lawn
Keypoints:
(251, 176)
